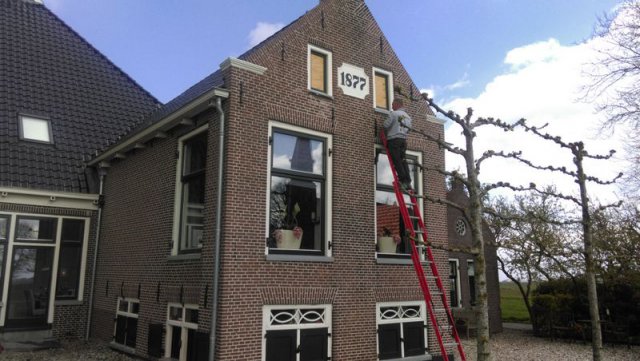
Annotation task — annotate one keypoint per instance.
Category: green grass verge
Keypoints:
(512, 305)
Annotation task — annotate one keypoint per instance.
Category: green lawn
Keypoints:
(511, 303)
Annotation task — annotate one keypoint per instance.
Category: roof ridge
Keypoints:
(100, 54)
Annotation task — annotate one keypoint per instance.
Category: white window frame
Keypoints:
(419, 186)
(328, 69)
(184, 327)
(328, 211)
(128, 313)
(458, 291)
(177, 205)
(389, 89)
(381, 321)
(56, 245)
(268, 326)
(24, 136)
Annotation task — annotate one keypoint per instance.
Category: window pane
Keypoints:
(382, 100)
(471, 272)
(72, 230)
(36, 229)
(384, 177)
(291, 152)
(135, 307)
(175, 313)
(35, 129)
(68, 271)
(195, 154)
(123, 306)
(4, 225)
(453, 283)
(295, 214)
(193, 190)
(191, 315)
(318, 69)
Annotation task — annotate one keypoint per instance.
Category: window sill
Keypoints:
(298, 258)
(382, 111)
(426, 357)
(69, 303)
(122, 348)
(397, 260)
(321, 94)
(184, 257)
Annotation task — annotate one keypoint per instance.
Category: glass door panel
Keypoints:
(29, 288)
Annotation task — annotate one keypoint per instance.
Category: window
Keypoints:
(190, 190)
(461, 227)
(319, 70)
(471, 273)
(35, 129)
(36, 229)
(390, 230)
(4, 237)
(382, 89)
(454, 283)
(126, 327)
(401, 330)
(182, 326)
(296, 330)
(70, 261)
(299, 200)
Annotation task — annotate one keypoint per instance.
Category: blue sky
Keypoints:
(168, 45)
(505, 58)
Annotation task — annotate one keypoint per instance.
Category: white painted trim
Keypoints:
(328, 69)
(165, 123)
(177, 203)
(328, 213)
(379, 321)
(266, 314)
(32, 197)
(458, 290)
(434, 119)
(243, 65)
(184, 327)
(389, 76)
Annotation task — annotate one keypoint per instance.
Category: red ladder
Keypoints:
(415, 257)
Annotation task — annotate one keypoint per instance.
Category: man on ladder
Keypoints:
(396, 128)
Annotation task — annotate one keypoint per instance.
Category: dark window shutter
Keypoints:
(176, 341)
(200, 349)
(413, 338)
(313, 344)
(281, 345)
(389, 341)
(154, 342)
(132, 331)
(121, 328)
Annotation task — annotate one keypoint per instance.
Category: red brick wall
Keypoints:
(140, 193)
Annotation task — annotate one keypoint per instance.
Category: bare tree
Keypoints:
(615, 84)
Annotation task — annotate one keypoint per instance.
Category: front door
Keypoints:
(29, 287)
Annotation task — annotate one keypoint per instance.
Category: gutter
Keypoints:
(102, 172)
(216, 264)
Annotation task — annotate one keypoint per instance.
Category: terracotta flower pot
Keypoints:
(387, 245)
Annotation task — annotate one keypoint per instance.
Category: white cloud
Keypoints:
(262, 31)
(542, 84)
(460, 83)
(430, 91)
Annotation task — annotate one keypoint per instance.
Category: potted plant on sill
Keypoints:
(388, 242)
(289, 236)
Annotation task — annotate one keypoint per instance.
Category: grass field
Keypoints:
(511, 303)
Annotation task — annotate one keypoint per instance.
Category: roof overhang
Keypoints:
(158, 129)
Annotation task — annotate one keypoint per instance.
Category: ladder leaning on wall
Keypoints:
(437, 315)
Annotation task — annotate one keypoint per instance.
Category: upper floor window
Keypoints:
(297, 333)
(401, 330)
(382, 89)
(299, 200)
(35, 129)
(392, 240)
(319, 70)
(190, 191)
(454, 283)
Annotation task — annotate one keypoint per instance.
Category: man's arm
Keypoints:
(390, 120)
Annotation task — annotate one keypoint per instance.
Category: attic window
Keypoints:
(319, 70)
(382, 89)
(35, 129)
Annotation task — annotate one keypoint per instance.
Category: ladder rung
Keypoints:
(450, 344)
(439, 309)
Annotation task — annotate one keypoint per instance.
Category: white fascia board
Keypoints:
(45, 198)
(434, 119)
(163, 124)
(242, 64)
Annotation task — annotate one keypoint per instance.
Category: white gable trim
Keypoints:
(44, 198)
(242, 64)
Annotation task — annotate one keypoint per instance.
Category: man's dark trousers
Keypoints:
(397, 149)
